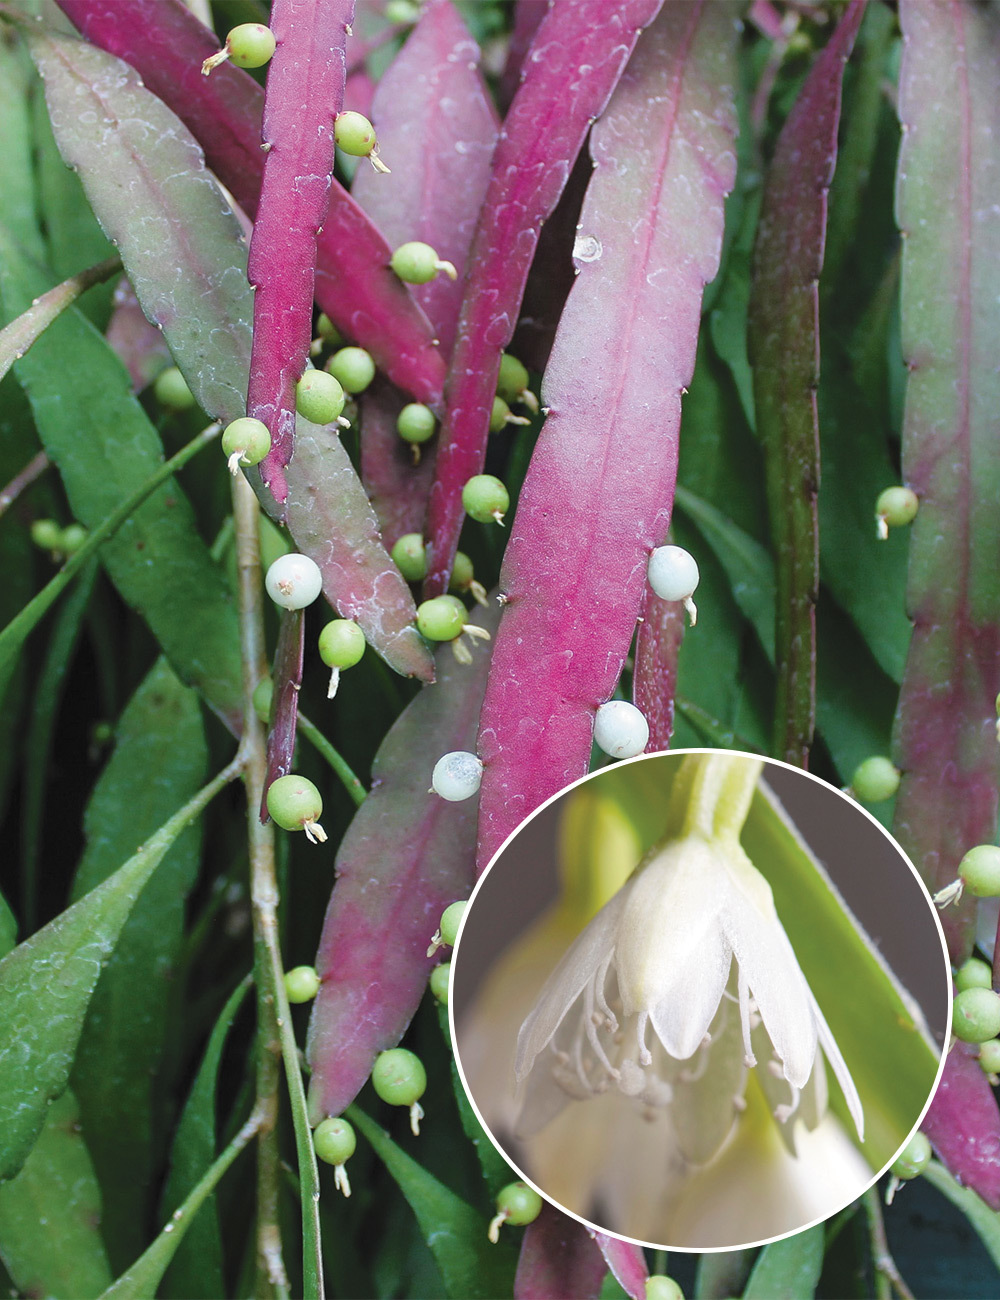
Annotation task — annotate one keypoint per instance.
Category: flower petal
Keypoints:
(840, 1069)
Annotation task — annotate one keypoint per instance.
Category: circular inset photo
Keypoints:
(700, 1000)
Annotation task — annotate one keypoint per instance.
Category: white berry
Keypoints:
(293, 581)
(457, 775)
(673, 575)
(620, 729)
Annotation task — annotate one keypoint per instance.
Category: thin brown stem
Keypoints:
(34, 469)
(271, 1276)
(887, 1275)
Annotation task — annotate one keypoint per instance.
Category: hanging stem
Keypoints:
(887, 1275)
(34, 469)
(276, 1039)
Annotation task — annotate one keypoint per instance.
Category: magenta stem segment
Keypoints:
(286, 676)
(598, 494)
(575, 61)
(305, 92)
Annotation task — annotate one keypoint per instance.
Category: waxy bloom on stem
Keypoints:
(683, 983)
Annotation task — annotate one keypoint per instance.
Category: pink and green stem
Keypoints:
(783, 339)
(286, 674)
(598, 494)
(166, 44)
(575, 61)
(305, 92)
(948, 208)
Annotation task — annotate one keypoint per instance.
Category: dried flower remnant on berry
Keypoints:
(249, 45)
(334, 1142)
(518, 1204)
(355, 135)
(418, 263)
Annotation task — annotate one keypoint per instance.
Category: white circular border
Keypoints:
(588, 1223)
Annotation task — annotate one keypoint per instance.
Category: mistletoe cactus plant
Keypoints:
(679, 293)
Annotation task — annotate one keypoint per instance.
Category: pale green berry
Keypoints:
(896, 507)
(410, 557)
(499, 415)
(976, 1015)
(661, 1287)
(400, 1079)
(989, 1056)
(246, 442)
(47, 534)
(353, 368)
(875, 780)
(334, 1141)
(441, 618)
(301, 984)
(418, 263)
(401, 11)
(516, 1203)
(295, 804)
(172, 391)
(355, 135)
(262, 697)
(462, 572)
(416, 422)
(914, 1157)
(974, 974)
(439, 981)
(341, 643)
(73, 537)
(512, 380)
(319, 397)
(484, 498)
(328, 332)
(451, 919)
(251, 45)
(980, 871)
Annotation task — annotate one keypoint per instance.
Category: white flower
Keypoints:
(682, 983)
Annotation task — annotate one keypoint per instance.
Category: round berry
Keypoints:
(512, 380)
(293, 581)
(439, 981)
(989, 1056)
(876, 779)
(246, 442)
(980, 870)
(441, 618)
(72, 538)
(519, 1203)
(301, 984)
(354, 134)
(974, 974)
(47, 534)
(462, 573)
(620, 729)
(416, 422)
(410, 557)
(499, 415)
(914, 1157)
(457, 776)
(976, 1015)
(673, 573)
(399, 1077)
(262, 697)
(172, 391)
(353, 368)
(319, 397)
(334, 1141)
(451, 919)
(418, 263)
(295, 804)
(484, 498)
(661, 1287)
(251, 45)
(896, 507)
(328, 332)
(341, 643)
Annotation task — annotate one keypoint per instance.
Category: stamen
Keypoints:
(739, 1102)
(592, 1039)
(744, 989)
(692, 1076)
(776, 1068)
(599, 981)
(783, 1113)
(645, 1055)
